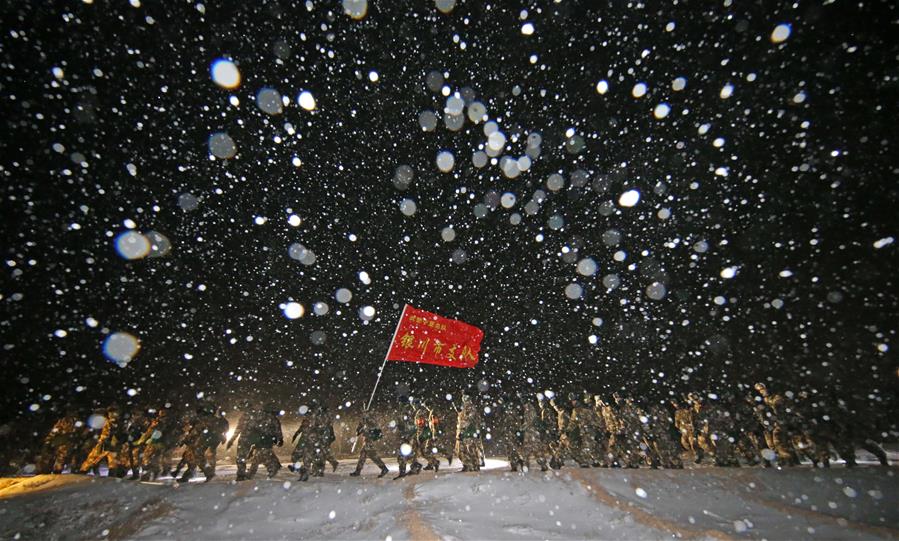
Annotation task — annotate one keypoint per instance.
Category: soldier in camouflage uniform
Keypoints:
(615, 431)
(264, 433)
(853, 429)
(107, 445)
(407, 450)
(202, 441)
(683, 419)
(513, 435)
(244, 439)
(158, 443)
(306, 457)
(532, 444)
(749, 432)
(325, 426)
(777, 416)
(663, 448)
(424, 437)
(583, 416)
(469, 422)
(61, 445)
(570, 439)
(601, 432)
(718, 429)
(130, 453)
(630, 441)
(368, 432)
(549, 433)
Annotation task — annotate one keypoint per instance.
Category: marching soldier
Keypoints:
(408, 446)
(244, 439)
(549, 433)
(425, 437)
(107, 446)
(130, 453)
(630, 437)
(514, 434)
(683, 420)
(777, 435)
(532, 444)
(368, 432)
(264, 433)
(601, 434)
(202, 441)
(583, 417)
(158, 443)
(61, 445)
(325, 427)
(662, 447)
(306, 453)
(469, 423)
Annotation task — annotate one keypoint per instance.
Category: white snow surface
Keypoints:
(572, 503)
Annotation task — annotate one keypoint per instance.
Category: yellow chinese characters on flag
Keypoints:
(423, 337)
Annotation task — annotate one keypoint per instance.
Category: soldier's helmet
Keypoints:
(587, 398)
(761, 388)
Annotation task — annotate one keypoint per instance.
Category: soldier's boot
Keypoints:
(135, 474)
(402, 472)
(877, 451)
(416, 468)
(119, 471)
(356, 473)
(384, 471)
(242, 470)
(274, 471)
(304, 474)
(188, 473)
(334, 464)
(209, 472)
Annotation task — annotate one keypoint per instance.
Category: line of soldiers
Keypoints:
(765, 428)
(133, 441)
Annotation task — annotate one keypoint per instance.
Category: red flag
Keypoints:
(423, 337)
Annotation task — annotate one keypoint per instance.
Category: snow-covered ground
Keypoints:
(699, 503)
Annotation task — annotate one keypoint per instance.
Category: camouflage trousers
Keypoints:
(533, 448)
(624, 450)
(724, 449)
(572, 448)
(310, 456)
(470, 454)
(244, 447)
(197, 456)
(780, 442)
(687, 438)
(129, 457)
(369, 453)
(267, 458)
(664, 452)
(64, 456)
(427, 450)
(156, 460)
(97, 454)
(409, 459)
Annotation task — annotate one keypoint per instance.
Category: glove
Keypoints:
(281, 442)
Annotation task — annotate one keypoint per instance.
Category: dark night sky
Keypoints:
(809, 137)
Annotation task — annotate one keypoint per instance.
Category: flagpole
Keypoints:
(381, 371)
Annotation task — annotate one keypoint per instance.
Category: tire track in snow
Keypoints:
(641, 516)
(881, 531)
(419, 528)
